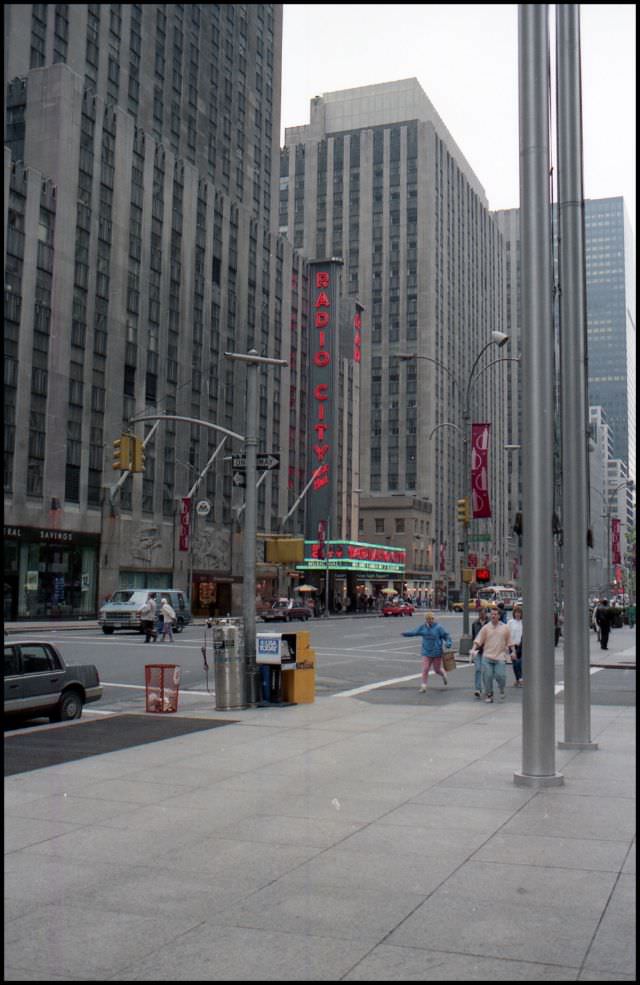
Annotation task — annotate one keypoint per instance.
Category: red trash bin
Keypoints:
(162, 687)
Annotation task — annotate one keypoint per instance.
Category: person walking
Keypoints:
(515, 628)
(169, 617)
(433, 635)
(148, 618)
(603, 618)
(495, 640)
(477, 625)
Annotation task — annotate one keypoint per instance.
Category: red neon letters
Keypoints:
(322, 359)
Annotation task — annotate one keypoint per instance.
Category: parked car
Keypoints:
(121, 611)
(37, 682)
(397, 609)
(284, 610)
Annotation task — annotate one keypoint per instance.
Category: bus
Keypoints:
(492, 594)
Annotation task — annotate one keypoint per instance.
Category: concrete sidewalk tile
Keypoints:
(564, 853)
(614, 948)
(25, 832)
(450, 818)
(317, 910)
(238, 863)
(498, 800)
(55, 939)
(603, 818)
(339, 866)
(214, 953)
(629, 867)
(511, 930)
(27, 975)
(536, 886)
(284, 830)
(398, 839)
(38, 881)
(73, 808)
(406, 964)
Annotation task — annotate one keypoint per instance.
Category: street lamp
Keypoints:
(498, 339)
(252, 360)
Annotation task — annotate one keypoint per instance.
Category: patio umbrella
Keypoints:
(389, 591)
(306, 588)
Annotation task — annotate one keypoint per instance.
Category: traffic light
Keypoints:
(463, 510)
(137, 454)
(483, 575)
(122, 453)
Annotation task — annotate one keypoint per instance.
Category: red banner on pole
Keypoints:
(479, 471)
(443, 559)
(185, 523)
(615, 541)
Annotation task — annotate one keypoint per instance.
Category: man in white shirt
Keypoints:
(495, 640)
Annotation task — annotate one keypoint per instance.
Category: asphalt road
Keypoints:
(365, 655)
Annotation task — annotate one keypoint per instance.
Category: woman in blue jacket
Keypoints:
(433, 635)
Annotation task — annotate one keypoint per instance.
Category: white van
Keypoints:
(121, 611)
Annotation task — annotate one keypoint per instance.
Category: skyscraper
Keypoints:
(141, 170)
(377, 179)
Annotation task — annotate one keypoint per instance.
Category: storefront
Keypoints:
(353, 571)
(211, 594)
(49, 574)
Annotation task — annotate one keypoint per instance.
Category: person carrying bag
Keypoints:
(169, 619)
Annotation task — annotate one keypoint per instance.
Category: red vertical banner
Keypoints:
(615, 541)
(479, 471)
(322, 537)
(185, 523)
(443, 559)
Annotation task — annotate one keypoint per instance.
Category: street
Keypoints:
(364, 657)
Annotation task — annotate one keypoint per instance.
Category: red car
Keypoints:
(397, 609)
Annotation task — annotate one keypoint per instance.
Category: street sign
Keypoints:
(203, 508)
(265, 462)
(476, 538)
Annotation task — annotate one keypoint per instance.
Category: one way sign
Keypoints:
(265, 462)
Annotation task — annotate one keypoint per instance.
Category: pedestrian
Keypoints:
(148, 618)
(603, 618)
(515, 628)
(481, 621)
(433, 635)
(168, 619)
(495, 639)
(502, 611)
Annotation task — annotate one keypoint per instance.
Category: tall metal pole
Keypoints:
(538, 732)
(573, 358)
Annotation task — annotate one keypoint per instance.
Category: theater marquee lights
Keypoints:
(342, 555)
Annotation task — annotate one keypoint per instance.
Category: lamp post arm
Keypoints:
(445, 424)
(472, 379)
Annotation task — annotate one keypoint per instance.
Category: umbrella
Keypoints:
(306, 588)
(389, 591)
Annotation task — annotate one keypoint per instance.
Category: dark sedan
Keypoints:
(38, 683)
(284, 610)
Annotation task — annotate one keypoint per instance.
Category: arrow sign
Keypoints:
(265, 462)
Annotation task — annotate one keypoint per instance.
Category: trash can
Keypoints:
(162, 687)
(229, 665)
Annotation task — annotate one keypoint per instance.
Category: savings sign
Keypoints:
(323, 348)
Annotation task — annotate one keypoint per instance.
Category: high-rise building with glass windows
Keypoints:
(141, 176)
(377, 179)
(611, 321)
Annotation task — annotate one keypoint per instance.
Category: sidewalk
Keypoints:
(339, 841)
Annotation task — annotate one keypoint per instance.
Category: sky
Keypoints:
(465, 58)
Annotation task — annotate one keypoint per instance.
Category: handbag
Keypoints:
(449, 660)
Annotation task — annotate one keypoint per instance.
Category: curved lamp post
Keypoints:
(499, 339)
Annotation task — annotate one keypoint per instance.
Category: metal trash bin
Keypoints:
(229, 664)
(162, 687)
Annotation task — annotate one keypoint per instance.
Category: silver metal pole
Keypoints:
(538, 732)
(575, 466)
(250, 529)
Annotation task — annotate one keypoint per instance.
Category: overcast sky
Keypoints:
(465, 58)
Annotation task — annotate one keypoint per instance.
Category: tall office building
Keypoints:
(377, 179)
(611, 343)
(611, 321)
(141, 170)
